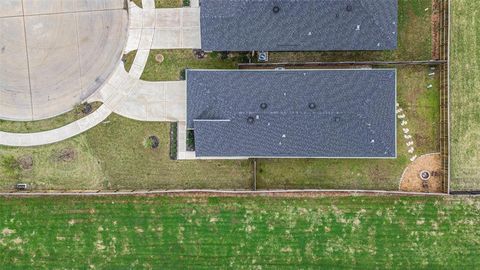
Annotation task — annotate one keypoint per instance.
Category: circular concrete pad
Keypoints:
(54, 54)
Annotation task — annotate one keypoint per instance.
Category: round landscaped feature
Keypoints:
(159, 58)
(276, 9)
(25, 162)
(65, 155)
(151, 142)
(263, 106)
(425, 175)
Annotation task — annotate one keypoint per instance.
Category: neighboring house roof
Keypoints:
(292, 113)
(298, 25)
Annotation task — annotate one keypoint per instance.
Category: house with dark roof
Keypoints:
(292, 113)
(298, 25)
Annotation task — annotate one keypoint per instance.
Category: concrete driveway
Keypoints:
(56, 53)
(164, 28)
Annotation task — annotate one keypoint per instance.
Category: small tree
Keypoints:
(151, 142)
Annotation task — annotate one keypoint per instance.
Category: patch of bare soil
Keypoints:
(435, 29)
(25, 162)
(7, 231)
(411, 180)
(65, 155)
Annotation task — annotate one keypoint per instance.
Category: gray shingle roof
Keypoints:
(353, 113)
(299, 25)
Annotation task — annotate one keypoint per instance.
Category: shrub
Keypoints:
(186, 3)
(182, 74)
(151, 142)
(190, 140)
(173, 141)
(83, 108)
(224, 55)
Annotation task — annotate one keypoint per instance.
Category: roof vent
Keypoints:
(276, 9)
(250, 120)
(263, 106)
(312, 105)
(349, 8)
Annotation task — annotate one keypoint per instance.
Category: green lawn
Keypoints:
(138, 3)
(414, 40)
(175, 61)
(48, 124)
(465, 95)
(168, 3)
(239, 233)
(112, 156)
(162, 3)
(422, 111)
(128, 59)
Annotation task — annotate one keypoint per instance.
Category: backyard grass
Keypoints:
(239, 233)
(422, 113)
(465, 95)
(47, 124)
(176, 61)
(112, 156)
(414, 40)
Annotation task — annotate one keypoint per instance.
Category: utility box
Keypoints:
(21, 186)
(262, 56)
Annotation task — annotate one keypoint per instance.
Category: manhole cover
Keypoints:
(425, 175)
(159, 58)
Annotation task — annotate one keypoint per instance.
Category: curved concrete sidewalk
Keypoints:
(55, 135)
(124, 93)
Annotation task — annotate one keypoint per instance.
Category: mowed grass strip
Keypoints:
(176, 61)
(239, 233)
(414, 40)
(465, 95)
(162, 3)
(47, 124)
(168, 3)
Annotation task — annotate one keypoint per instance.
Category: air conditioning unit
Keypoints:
(262, 56)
